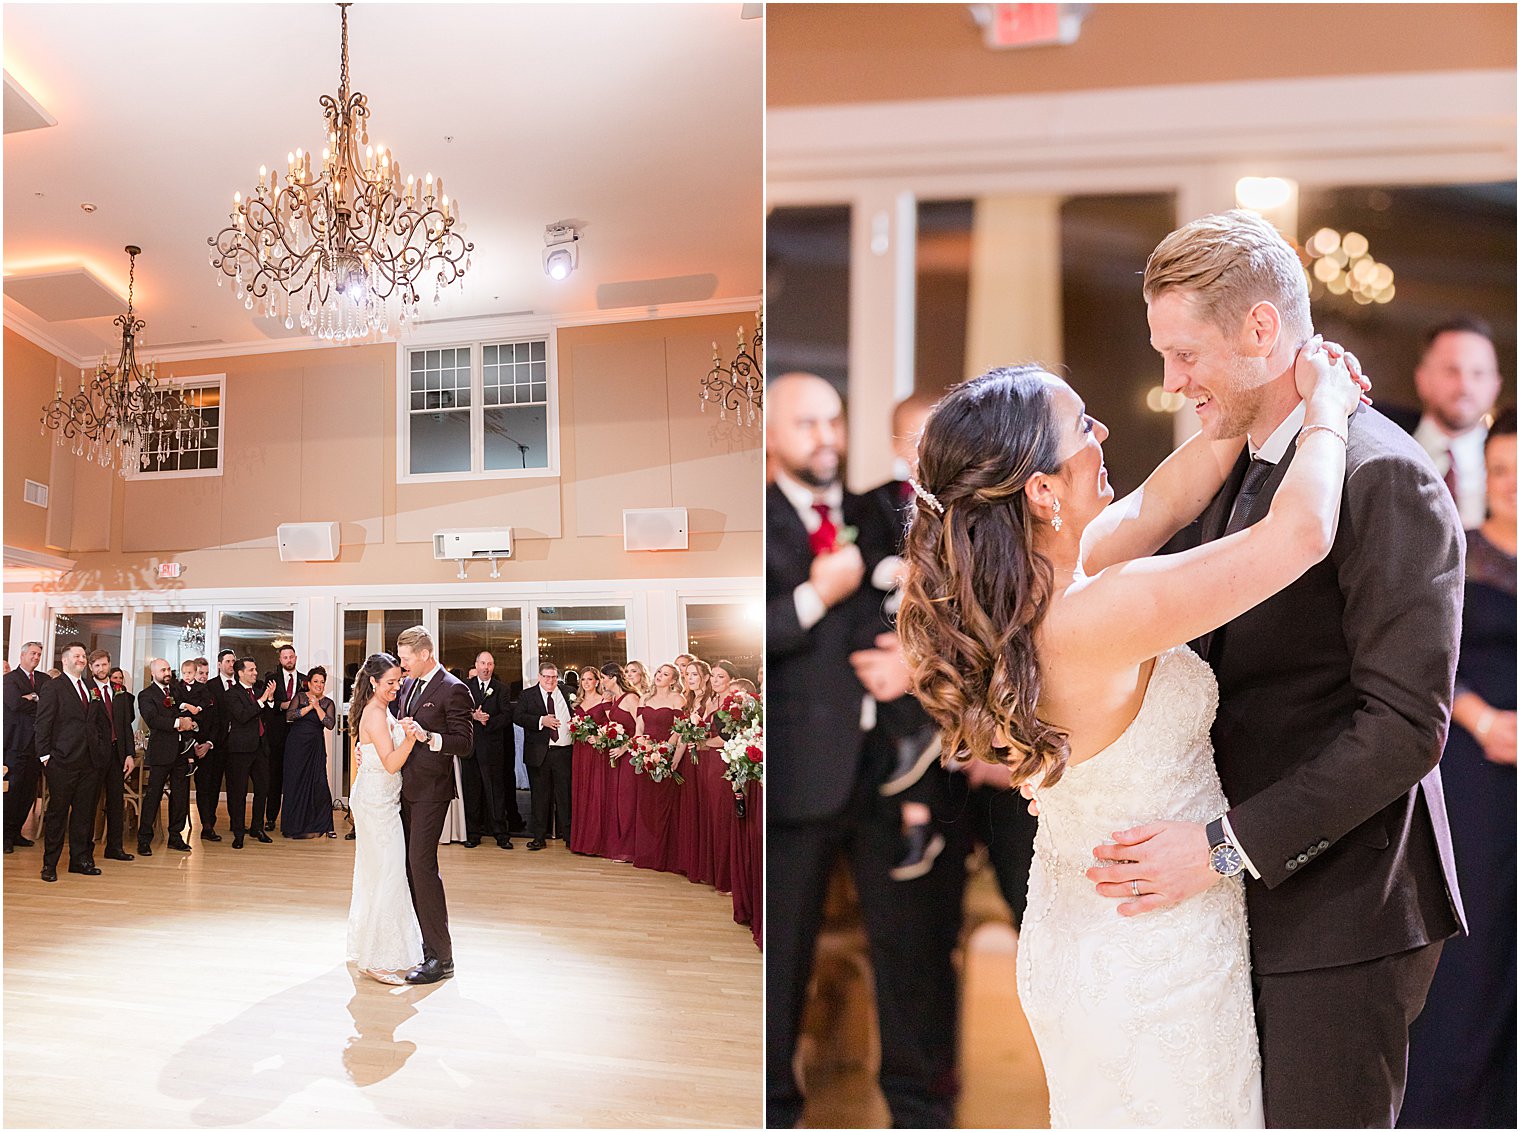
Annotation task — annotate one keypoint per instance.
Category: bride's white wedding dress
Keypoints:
(382, 926)
(1145, 1020)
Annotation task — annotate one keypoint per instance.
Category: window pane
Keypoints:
(175, 637)
(732, 631)
(440, 442)
(572, 636)
(259, 634)
(517, 438)
(538, 351)
(365, 632)
(463, 634)
(93, 630)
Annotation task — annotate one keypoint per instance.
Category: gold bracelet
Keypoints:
(1307, 429)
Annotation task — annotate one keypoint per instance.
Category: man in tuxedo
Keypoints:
(1334, 700)
(247, 753)
(69, 747)
(822, 789)
(23, 687)
(171, 730)
(1458, 383)
(124, 716)
(435, 708)
(484, 776)
(544, 715)
(211, 774)
(288, 686)
(117, 741)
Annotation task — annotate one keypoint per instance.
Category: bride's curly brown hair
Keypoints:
(976, 588)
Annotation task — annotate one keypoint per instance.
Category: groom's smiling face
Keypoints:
(1223, 375)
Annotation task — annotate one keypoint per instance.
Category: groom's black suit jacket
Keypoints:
(1334, 701)
(444, 706)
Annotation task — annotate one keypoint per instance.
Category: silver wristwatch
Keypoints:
(1224, 857)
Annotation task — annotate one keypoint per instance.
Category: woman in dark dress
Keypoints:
(654, 845)
(622, 787)
(1462, 1047)
(588, 771)
(693, 859)
(307, 811)
(717, 792)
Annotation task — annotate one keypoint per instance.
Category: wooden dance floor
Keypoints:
(210, 990)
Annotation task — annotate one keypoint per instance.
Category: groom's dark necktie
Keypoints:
(411, 698)
(1246, 511)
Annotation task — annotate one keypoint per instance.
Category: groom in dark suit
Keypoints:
(435, 707)
(1334, 700)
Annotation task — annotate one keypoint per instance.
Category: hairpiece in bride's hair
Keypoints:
(926, 495)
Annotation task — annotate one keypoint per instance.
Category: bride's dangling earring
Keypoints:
(1056, 518)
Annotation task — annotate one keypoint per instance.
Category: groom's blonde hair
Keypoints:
(415, 638)
(1232, 261)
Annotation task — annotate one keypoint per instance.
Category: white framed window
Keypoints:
(196, 452)
(485, 408)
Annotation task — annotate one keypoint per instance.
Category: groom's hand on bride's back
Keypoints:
(1168, 860)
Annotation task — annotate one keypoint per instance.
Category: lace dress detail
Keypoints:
(382, 927)
(1144, 1021)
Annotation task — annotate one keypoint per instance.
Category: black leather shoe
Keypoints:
(237, 840)
(118, 855)
(504, 843)
(24, 842)
(87, 869)
(430, 971)
(210, 835)
(260, 835)
(144, 849)
(472, 843)
(179, 844)
(271, 824)
(49, 873)
(537, 843)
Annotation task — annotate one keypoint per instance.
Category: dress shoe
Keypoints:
(49, 873)
(24, 842)
(144, 849)
(430, 971)
(350, 835)
(504, 843)
(210, 835)
(260, 835)
(9, 848)
(270, 825)
(179, 844)
(118, 855)
(86, 869)
(237, 840)
(472, 843)
(537, 843)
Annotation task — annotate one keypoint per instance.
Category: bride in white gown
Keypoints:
(1045, 634)
(383, 937)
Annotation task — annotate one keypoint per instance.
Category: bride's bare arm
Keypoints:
(375, 730)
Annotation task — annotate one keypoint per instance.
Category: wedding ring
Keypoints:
(1134, 886)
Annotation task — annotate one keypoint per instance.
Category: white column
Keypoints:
(1014, 308)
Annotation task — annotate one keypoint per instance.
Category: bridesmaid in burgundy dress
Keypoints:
(718, 794)
(588, 771)
(621, 797)
(654, 845)
(693, 858)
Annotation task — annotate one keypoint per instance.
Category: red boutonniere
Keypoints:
(168, 703)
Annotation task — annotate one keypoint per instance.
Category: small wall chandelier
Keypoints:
(738, 386)
(125, 415)
(332, 247)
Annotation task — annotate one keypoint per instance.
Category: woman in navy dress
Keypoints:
(307, 810)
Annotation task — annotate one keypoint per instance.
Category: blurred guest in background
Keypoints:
(22, 688)
(1462, 1048)
(484, 777)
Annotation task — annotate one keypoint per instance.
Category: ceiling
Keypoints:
(642, 123)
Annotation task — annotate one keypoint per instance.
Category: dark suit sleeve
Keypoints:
(527, 713)
(239, 706)
(154, 714)
(47, 717)
(496, 711)
(125, 714)
(1401, 577)
(458, 728)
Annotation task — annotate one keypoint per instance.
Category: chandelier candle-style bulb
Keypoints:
(345, 246)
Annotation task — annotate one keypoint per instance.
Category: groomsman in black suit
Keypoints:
(69, 747)
(211, 766)
(544, 716)
(247, 751)
(171, 726)
(288, 687)
(23, 687)
(118, 744)
(124, 715)
(822, 789)
(484, 776)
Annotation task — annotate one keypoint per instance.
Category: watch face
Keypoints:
(1225, 860)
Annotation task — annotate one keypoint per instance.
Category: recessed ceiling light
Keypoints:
(88, 207)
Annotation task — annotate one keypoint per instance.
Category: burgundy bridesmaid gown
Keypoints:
(654, 845)
(749, 863)
(688, 851)
(718, 800)
(622, 794)
(588, 784)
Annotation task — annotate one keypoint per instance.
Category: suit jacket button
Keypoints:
(1313, 849)
(1291, 864)
(1303, 858)
(1324, 845)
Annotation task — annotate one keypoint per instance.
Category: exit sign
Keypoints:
(1033, 25)
(168, 569)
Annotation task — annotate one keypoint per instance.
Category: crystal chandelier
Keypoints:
(738, 387)
(334, 246)
(124, 415)
(193, 637)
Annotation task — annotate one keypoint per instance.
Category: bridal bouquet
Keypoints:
(655, 758)
(744, 756)
(584, 729)
(610, 737)
(738, 711)
(690, 730)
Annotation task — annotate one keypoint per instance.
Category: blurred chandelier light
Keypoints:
(1343, 266)
(334, 246)
(125, 415)
(739, 386)
(561, 251)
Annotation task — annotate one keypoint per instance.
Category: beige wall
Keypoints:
(30, 374)
(830, 53)
(311, 437)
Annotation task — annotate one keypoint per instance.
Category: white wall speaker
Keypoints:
(308, 542)
(654, 528)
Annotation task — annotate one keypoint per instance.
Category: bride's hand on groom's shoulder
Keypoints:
(1154, 866)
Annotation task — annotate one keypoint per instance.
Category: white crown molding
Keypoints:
(1464, 115)
(35, 333)
(19, 559)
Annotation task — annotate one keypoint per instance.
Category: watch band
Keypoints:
(1214, 831)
